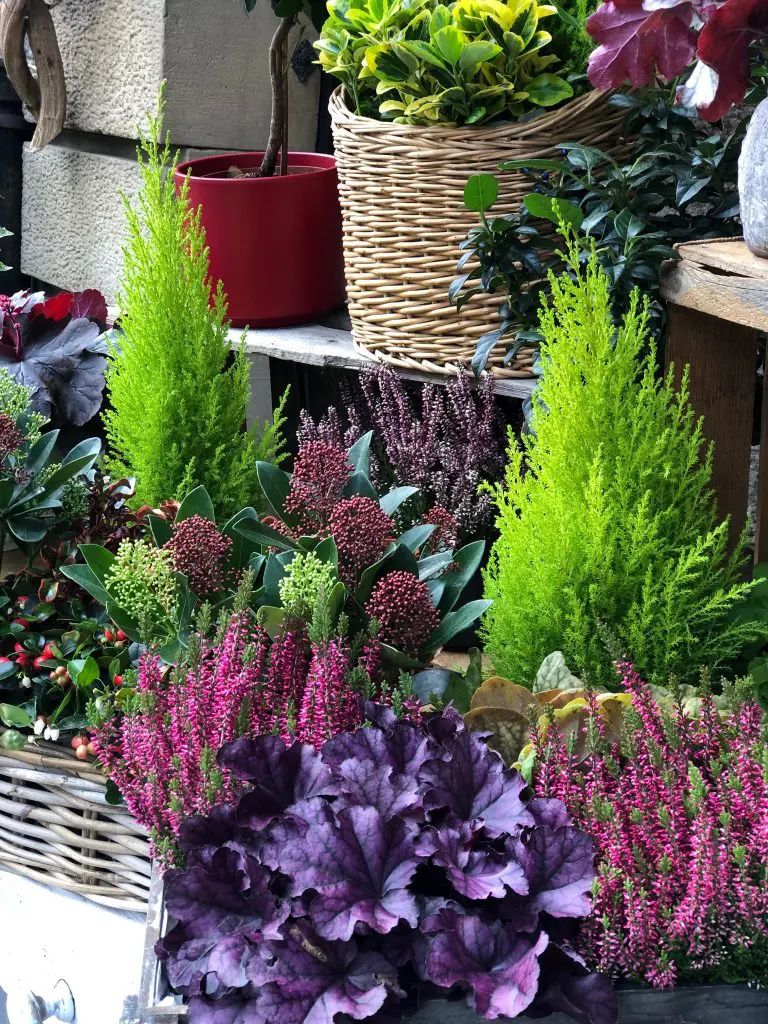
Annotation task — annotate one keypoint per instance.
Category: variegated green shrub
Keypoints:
(427, 63)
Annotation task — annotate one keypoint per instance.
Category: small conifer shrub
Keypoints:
(178, 396)
(606, 515)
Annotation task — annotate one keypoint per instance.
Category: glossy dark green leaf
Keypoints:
(196, 503)
(481, 192)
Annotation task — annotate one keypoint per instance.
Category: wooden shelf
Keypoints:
(329, 344)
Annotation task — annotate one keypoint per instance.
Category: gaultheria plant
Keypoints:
(679, 816)
(396, 861)
(640, 38)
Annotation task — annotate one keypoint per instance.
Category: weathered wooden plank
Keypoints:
(320, 345)
(731, 255)
(738, 300)
(761, 515)
(722, 389)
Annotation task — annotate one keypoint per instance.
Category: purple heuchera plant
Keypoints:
(394, 864)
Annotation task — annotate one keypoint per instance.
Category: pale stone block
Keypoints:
(72, 217)
(213, 56)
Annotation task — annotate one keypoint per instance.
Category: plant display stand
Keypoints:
(57, 828)
(717, 297)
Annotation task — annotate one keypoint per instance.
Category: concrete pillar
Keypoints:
(213, 59)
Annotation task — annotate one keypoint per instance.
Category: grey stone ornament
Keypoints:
(753, 182)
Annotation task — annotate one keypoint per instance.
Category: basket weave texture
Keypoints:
(401, 189)
(57, 828)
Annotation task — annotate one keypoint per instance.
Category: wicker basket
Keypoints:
(57, 828)
(401, 189)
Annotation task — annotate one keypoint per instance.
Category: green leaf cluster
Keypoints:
(606, 515)
(426, 63)
(178, 396)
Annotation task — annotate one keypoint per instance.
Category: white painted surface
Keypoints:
(46, 934)
(212, 55)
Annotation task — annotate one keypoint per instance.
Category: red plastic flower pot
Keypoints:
(275, 243)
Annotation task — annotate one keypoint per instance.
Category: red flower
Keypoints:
(402, 605)
(199, 550)
(320, 474)
(361, 531)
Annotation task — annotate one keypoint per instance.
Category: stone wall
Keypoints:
(116, 53)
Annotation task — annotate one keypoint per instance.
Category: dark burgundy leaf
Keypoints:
(723, 46)
(90, 304)
(634, 42)
(566, 986)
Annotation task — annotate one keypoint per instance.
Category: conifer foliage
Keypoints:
(606, 515)
(178, 402)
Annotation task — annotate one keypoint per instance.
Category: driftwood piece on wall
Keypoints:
(46, 94)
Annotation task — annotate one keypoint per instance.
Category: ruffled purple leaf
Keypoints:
(280, 776)
(310, 981)
(203, 834)
(364, 785)
(474, 870)
(549, 812)
(476, 787)
(498, 966)
(559, 865)
(403, 747)
(360, 870)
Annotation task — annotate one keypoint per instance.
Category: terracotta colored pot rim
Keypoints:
(209, 167)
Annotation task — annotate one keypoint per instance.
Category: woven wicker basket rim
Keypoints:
(341, 112)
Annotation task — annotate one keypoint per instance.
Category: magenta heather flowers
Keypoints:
(679, 815)
(162, 753)
(403, 607)
(200, 551)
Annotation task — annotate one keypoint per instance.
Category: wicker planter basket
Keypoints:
(57, 828)
(401, 189)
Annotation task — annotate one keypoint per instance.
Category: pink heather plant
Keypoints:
(162, 753)
(679, 816)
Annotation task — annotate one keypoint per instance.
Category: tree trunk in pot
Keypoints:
(753, 182)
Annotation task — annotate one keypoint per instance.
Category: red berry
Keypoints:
(24, 660)
(46, 652)
(75, 742)
(4, 661)
(121, 635)
(39, 662)
(20, 648)
(118, 680)
(109, 636)
(82, 752)
(25, 623)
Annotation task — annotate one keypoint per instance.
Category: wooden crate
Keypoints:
(57, 828)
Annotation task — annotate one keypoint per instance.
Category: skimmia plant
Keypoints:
(395, 860)
(678, 811)
(409, 582)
